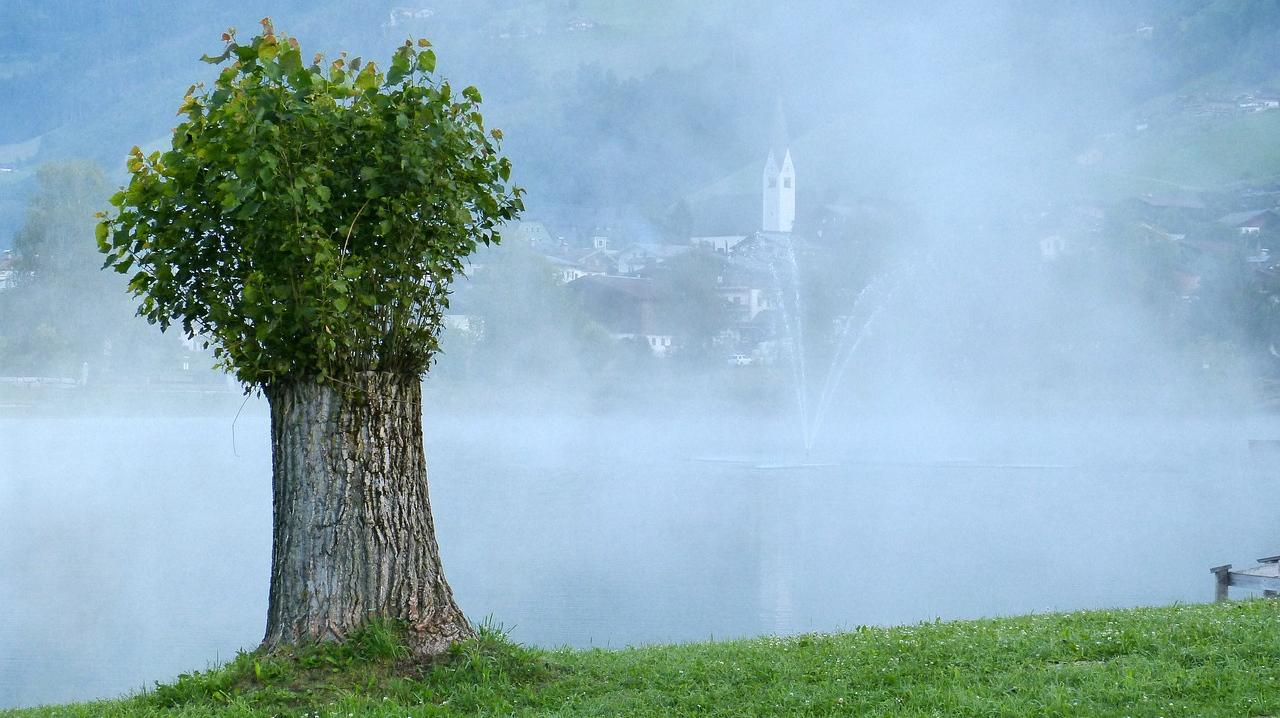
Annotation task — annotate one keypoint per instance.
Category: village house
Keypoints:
(641, 257)
(626, 307)
(1251, 222)
(1241, 105)
(7, 269)
(1257, 103)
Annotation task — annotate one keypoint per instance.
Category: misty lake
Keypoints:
(135, 548)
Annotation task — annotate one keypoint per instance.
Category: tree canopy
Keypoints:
(309, 217)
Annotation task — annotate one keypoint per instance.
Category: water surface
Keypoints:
(138, 548)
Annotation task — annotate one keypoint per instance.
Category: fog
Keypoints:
(138, 547)
(1013, 362)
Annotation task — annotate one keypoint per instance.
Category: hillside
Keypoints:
(644, 103)
(122, 70)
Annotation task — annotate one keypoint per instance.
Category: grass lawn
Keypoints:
(1186, 660)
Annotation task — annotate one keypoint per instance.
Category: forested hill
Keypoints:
(638, 102)
(1237, 40)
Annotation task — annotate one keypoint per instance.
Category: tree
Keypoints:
(308, 220)
(688, 294)
(533, 333)
(63, 307)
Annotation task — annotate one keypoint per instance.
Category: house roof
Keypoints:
(1252, 218)
(581, 256)
(1172, 201)
(622, 305)
(652, 249)
(722, 215)
(638, 288)
(1208, 244)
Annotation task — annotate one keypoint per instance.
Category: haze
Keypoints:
(1044, 231)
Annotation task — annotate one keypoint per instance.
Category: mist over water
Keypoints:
(132, 544)
(137, 549)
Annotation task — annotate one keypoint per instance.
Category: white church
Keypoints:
(777, 197)
(779, 189)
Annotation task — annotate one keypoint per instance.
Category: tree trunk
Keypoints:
(353, 536)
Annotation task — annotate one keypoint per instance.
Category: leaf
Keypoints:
(217, 59)
(367, 79)
(400, 66)
(268, 49)
(291, 60)
(427, 61)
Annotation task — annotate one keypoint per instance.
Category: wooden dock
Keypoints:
(1264, 576)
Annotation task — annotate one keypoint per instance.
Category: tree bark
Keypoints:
(353, 536)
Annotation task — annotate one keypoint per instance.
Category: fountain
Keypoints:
(852, 328)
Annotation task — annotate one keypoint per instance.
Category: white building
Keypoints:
(779, 180)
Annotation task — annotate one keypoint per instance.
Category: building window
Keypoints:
(786, 183)
(773, 182)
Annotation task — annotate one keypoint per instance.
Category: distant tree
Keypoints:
(309, 219)
(62, 307)
(531, 329)
(688, 294)
(56, 242)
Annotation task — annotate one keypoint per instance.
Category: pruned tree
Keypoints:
(307, 221)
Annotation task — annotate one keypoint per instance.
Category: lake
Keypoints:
(138, 547)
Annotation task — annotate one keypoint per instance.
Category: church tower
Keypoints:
(779, 181)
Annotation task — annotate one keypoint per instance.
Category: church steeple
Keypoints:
(779, 180)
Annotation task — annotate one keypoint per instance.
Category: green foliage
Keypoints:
(309, 217)
(688, 294)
